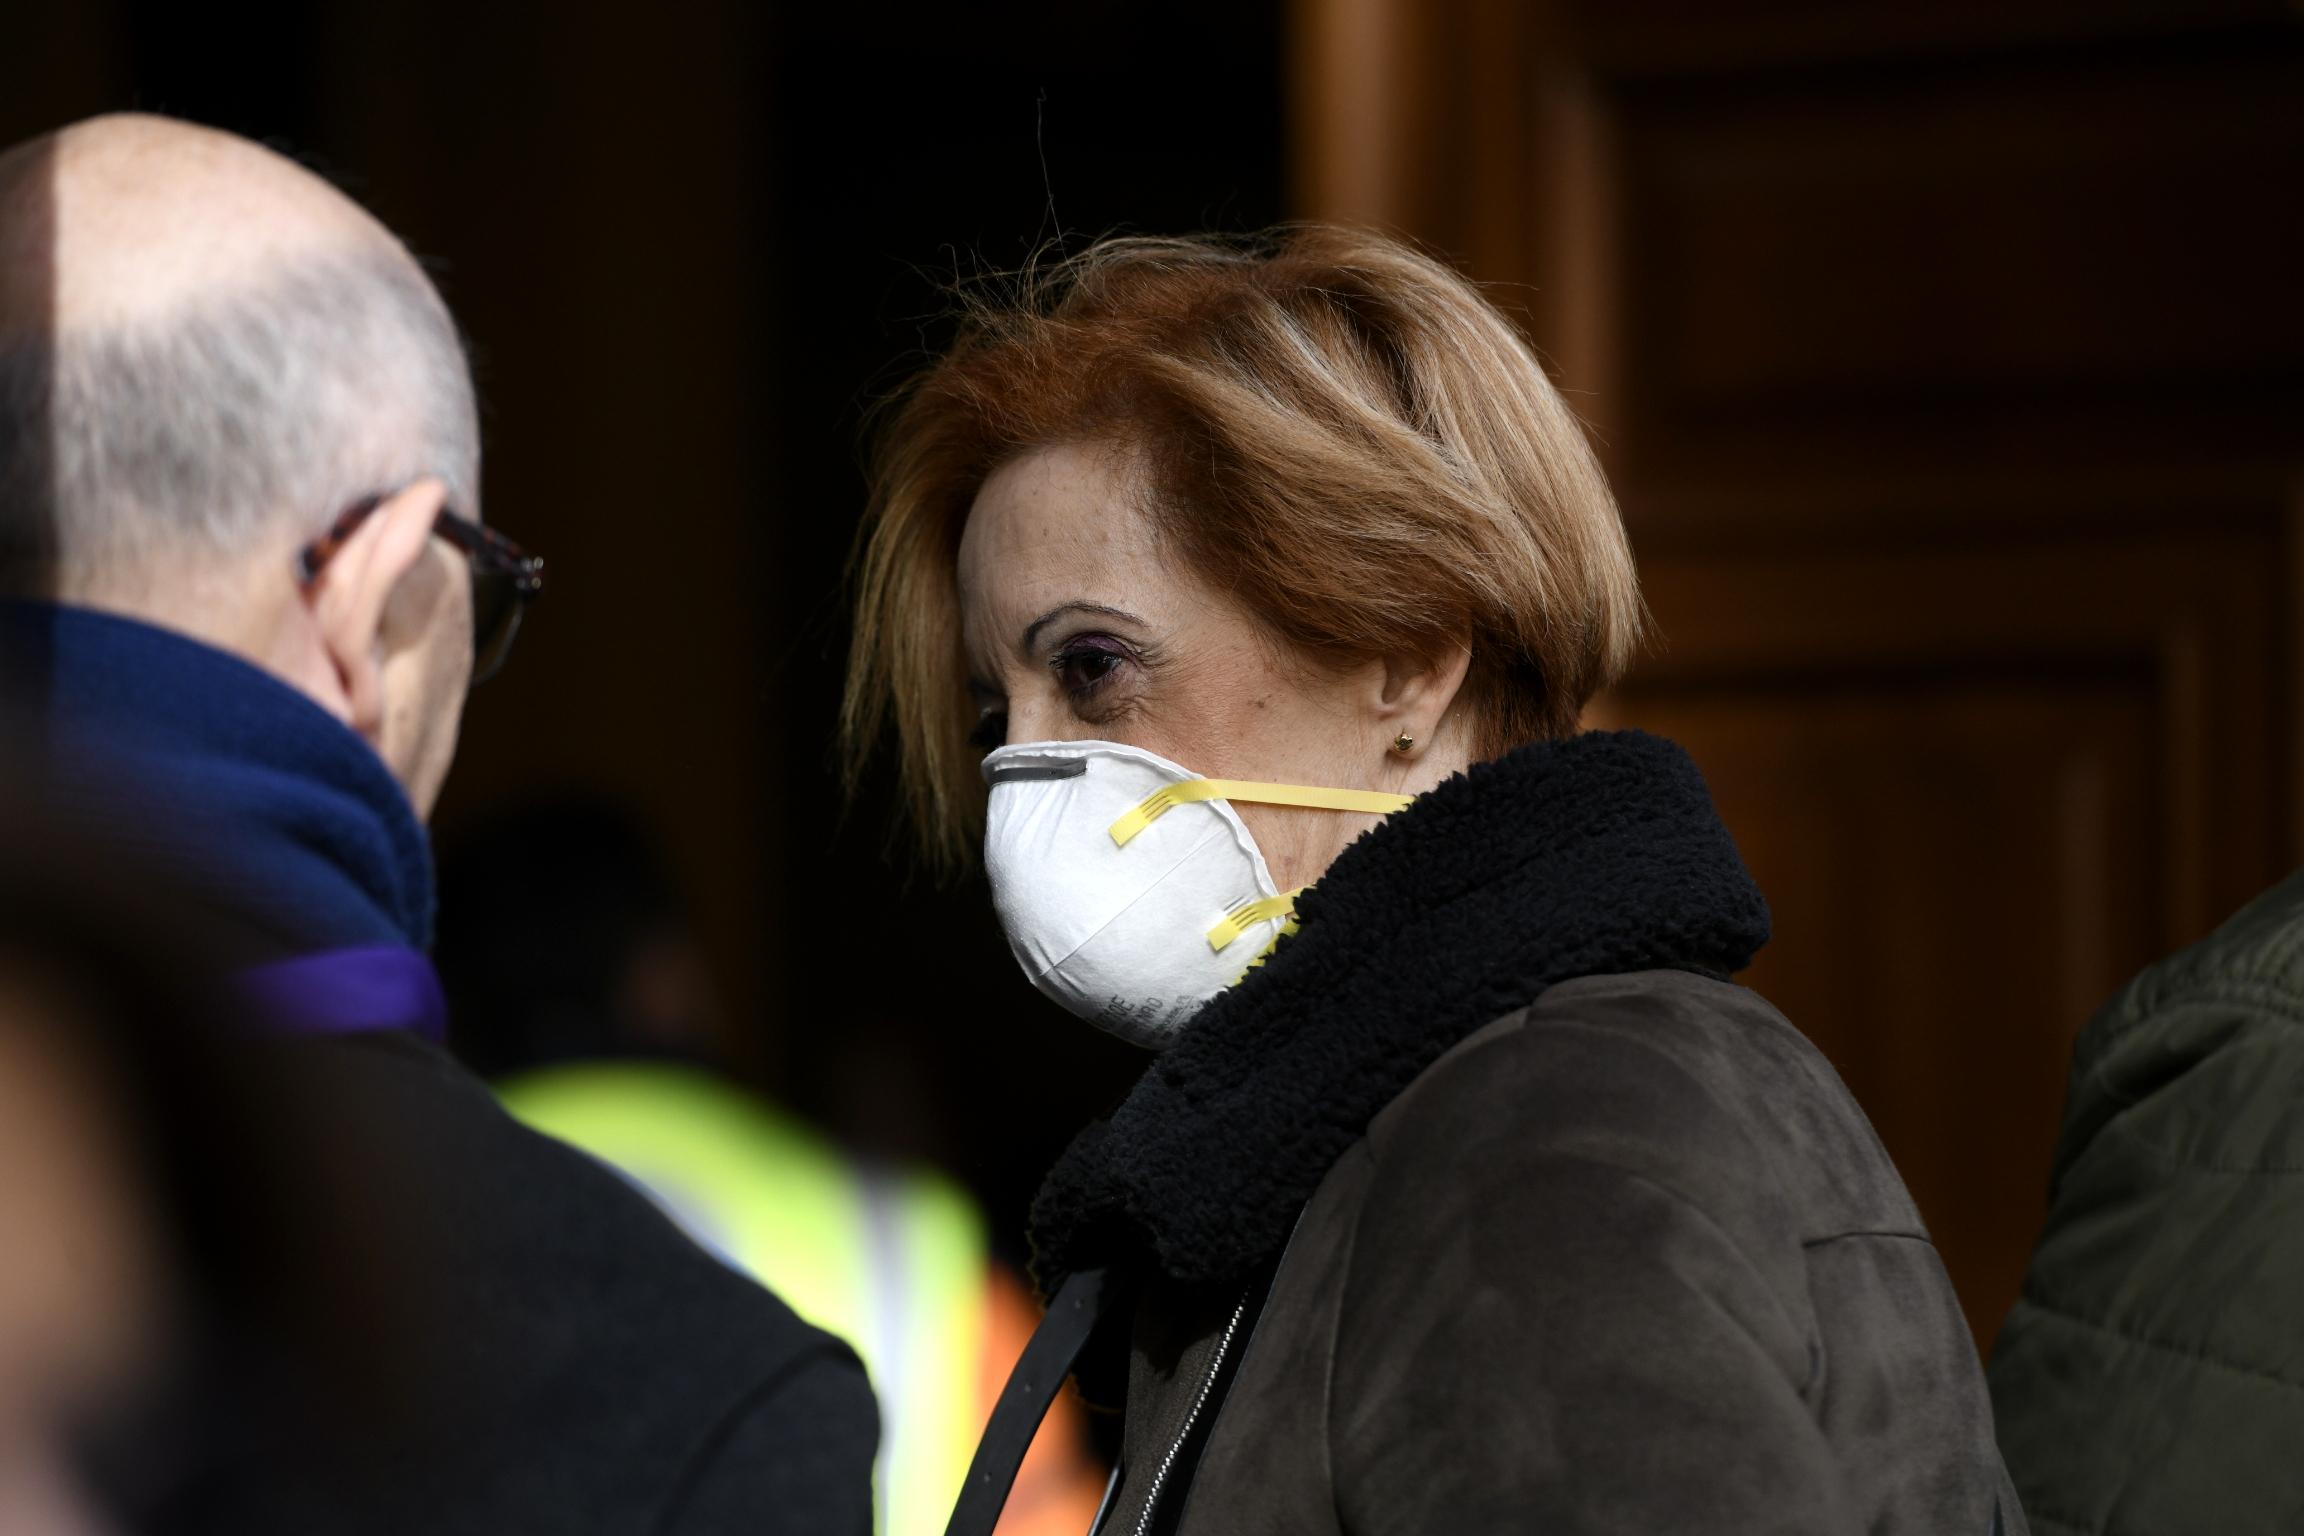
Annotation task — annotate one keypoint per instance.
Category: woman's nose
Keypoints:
(1040, 722)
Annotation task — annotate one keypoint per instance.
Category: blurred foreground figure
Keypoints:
(239, 467)
(72, 1272)
(2152, 1377)
(78, 1302)
(577, 986)
(155, 1194)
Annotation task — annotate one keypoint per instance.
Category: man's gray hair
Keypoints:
(201, 436)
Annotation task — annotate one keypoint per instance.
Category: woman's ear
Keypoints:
(1416, 693)
(349, 596)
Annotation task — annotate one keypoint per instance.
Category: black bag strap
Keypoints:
(1024, 1402)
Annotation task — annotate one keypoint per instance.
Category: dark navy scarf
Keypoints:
(249, 792)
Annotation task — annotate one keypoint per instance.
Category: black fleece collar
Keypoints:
(1594, 856)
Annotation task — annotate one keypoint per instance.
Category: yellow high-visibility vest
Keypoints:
(892, 1260)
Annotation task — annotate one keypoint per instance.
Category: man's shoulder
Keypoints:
(504, 1198)
(2252, 964)
(2175, 1229)
(553, 1269)
(566, 1359)
(2200, 1059)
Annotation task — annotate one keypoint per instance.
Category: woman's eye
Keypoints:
(1081, 668)
(991, 730)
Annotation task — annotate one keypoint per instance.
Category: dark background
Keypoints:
(1948, 359)
(690, 245)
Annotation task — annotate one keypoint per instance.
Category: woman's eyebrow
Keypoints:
(1032, 630)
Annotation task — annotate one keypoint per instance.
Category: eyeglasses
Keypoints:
(505, 577)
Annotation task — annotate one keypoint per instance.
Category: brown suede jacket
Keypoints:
(1490, 1205)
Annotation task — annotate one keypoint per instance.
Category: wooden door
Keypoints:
(1949, 362)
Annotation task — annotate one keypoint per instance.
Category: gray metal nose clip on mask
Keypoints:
(1129, 888)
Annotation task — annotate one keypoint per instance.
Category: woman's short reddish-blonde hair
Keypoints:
(1333, 428)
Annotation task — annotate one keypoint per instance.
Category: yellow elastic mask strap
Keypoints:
(1245, 915)
(1165, 799)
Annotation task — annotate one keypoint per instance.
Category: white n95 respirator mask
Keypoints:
(1130, 890)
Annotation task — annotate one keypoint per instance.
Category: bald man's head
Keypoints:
(206, 354)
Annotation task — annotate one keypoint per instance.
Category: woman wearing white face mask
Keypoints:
(1468, 1194)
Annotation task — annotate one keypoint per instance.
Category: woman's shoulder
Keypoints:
(1670, 1079)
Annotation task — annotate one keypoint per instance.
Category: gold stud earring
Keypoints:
(1403, 743)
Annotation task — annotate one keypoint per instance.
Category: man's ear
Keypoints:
(1416, 692)
(348, 597)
